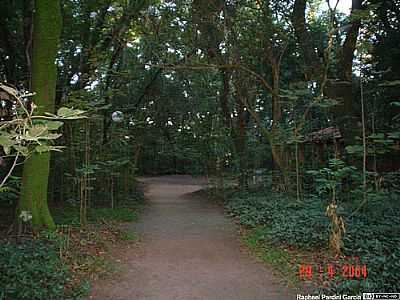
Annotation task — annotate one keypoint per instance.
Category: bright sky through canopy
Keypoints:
(344, 6)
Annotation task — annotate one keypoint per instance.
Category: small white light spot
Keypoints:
(117, 116)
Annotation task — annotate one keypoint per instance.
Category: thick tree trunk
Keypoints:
(342, 91)
(312, 64)
(47, 29)
(339, 88)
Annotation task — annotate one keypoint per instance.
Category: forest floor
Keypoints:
(188, 250)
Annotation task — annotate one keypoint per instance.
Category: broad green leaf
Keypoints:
(394, 135)
(43, 148)
(354, 149)
(54, 125)
(21, 149)
(6, 142)
(39, 132)
(52, 136)
(35, 131)
(377, 136)
(396, 103)
(390, 83)
(384, 141)
(326, 103)
(66, 112)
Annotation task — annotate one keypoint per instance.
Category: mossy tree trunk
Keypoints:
(46, 34)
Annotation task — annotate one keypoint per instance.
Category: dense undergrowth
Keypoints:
(60, 264)
(33, 270)
(283, 226)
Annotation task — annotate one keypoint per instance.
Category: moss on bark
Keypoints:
(47, 29)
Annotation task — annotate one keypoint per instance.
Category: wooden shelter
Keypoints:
(325, 135)
(320, 141)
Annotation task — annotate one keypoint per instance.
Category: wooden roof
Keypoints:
(325, 134)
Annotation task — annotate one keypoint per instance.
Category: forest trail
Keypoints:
(189, 250)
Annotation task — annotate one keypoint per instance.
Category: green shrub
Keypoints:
(302, 224)
(32, 270)
(69, 215)
(119, 214)
(376, 243)
(372, 234)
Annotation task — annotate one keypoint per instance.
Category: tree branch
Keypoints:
(260, 78)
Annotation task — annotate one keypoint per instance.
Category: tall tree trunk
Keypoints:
(28, 34)
(240, 130)
(47, 29)
(224, 99)
(239, 138)
(277, 147)
(340, 88)
(343, 112)
(343, 88)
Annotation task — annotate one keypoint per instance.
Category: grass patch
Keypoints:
(85, 251)
(119, 214)
(129, 236)
(279, 258)
(69, 215)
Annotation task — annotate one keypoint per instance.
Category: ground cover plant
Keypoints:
(371, 238)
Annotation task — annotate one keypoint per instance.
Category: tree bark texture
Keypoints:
(46, 34)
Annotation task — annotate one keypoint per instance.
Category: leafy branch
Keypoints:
(27, 133)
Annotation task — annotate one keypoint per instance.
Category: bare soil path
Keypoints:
(189, 250)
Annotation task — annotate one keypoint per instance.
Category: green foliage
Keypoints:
(32, 137)
(329, 180)
(119, 214)
(32, 270)
(372, 235)
(128, 236)
(375, 241)
(10, 192)
(69, 113)
(302, 224)
(277, 257)
(70, 215)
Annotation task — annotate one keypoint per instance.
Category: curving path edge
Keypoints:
(189, 250)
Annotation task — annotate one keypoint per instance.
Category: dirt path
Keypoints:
(189, 250)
